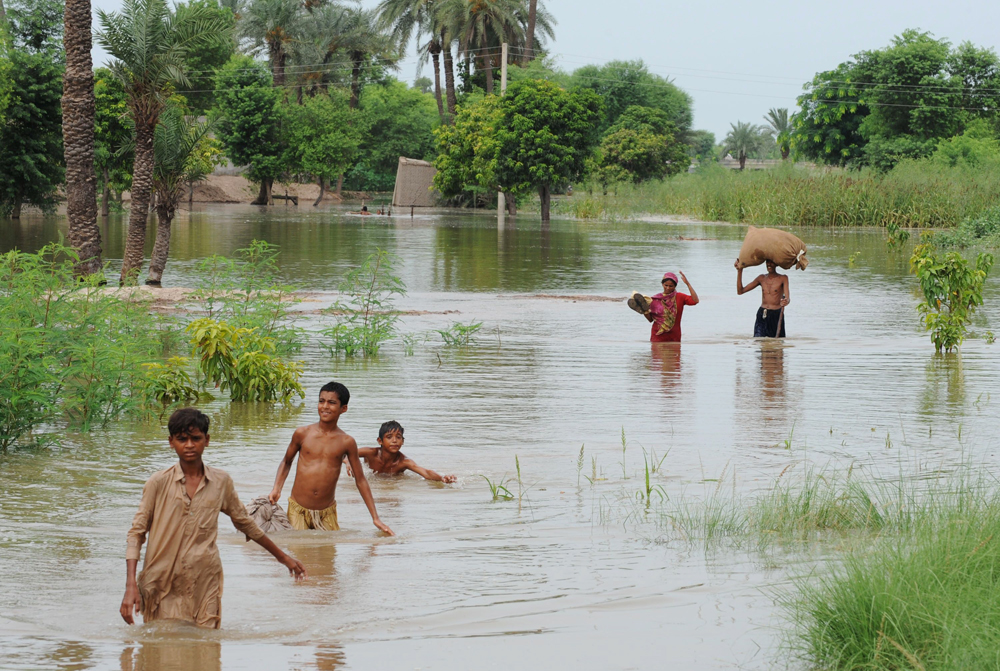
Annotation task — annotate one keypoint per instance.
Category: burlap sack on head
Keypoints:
(770, 244)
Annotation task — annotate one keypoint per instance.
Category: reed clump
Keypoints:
(915, 194)
(925, 598)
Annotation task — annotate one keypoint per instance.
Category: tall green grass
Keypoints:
(916, 194)
(925, 598)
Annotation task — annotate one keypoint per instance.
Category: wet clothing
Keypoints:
(304, 518)
(767, 324)
(181, 577)
(270, 517)
(667, 312)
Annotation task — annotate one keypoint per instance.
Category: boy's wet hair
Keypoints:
(185, 419)
(340, 390)
(391, 425)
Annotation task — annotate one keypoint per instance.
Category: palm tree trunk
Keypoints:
(743, 160)
(355, 81)
(435, 50)
(78, 138)
(544, 197)
(530, 38)
(322, 190)
(161, 249)
(449, 78)
(278, 65)
(142, 184)
(15, 210)
(106, 195)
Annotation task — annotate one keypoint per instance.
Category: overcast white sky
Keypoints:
(736, 58)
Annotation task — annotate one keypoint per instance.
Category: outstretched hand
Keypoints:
(448, 479)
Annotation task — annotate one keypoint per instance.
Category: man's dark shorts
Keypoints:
(767, 324)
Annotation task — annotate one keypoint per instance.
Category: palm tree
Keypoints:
(175, 143)
(271, 26)
(743, 140)
(777, 120)
(403, 18)
(363, 42)
(530, 38)
(78, 136)
(482, 25)
(148, 45)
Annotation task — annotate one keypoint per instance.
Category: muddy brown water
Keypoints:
(561, 580)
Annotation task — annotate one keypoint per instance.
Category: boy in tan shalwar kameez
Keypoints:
(182, 575)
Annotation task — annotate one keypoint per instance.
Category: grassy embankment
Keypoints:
(915, 586)
(913, 195)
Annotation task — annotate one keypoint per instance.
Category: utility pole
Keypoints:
(501, 199)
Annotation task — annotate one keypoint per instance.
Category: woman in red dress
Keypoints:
(666, 309)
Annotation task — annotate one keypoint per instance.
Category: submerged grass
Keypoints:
(913, 195)
(915, 583)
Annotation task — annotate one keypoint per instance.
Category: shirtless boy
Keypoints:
(774, 296)
(321, 448)
(387, 458)
(181, 578)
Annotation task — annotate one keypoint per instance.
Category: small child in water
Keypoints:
(388, 459)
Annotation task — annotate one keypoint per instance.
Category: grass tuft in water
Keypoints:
(925, 598)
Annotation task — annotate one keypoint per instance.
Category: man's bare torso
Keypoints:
(772, 289)
(319, 460)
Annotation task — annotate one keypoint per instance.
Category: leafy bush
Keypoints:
(169, 382)
(242, 361)
(368, 317)
(71, 348)
(459, 334)
(247, 292)
(982, 228)
(952, 289)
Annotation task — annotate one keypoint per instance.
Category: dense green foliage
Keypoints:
(321, 136)
(31, 150)
(889, 104)
(622, 84)
(202, 64)
(113, 143)
(641, 145)
(953, 289)
(72, 351)
(250, 123)
(394, 121)
(914, 194)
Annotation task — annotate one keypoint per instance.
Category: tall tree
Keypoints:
(31, 153)
(322, 137)
(175, 144)
(113, 144)
(622, 84)
(405, 19)
(781, 127)
(365, 43)
(743, 140)
(78, 107)
(641, 146)
(529, 45)
(250, 128)
(482, 26)
(149, 45)
(544, 137)
(201, 65)
(272, 26)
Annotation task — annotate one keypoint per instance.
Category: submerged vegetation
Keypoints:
(916, 194)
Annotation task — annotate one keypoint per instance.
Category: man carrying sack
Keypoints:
(775, 248)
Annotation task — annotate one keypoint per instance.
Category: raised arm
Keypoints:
(354, 463)
(694, 294)
(285, 467)
(427, 473)
(740, 289)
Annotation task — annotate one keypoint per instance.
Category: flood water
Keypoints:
(558, 580)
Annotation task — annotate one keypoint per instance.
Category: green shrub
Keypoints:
(169, 382)
(952, 290)
(242, 361)
(72, 350)
(983, 228)
(368, 317)
(247, 292)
